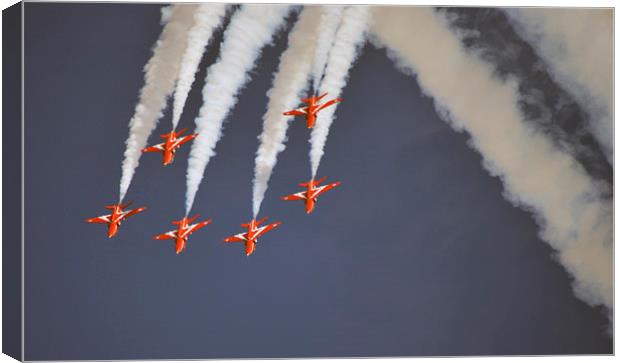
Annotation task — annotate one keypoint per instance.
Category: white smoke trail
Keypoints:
(250, 29)
(161, 73)
(577, 44)
(207, 19)
(535, 174)
(330, 20)
(349, 36)
(165, 11)
(289, 82)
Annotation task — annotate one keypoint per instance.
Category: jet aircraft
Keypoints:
(310, 195)
(250, 238)
(169, 147)
(312, 108)
(181, 234)
(114, 219)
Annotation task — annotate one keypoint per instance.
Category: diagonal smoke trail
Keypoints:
(545, 105)
(288, 83)
(577, 44)
(349, 36)
(250, 29)
(207, 18)
(161, 73)
(331, 17)
(536, 174)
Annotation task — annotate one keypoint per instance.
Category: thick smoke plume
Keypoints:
(250, 29)
(544, 103)
(536, 175)
(577, 44)
(330, 20)
(349, 37)
(288, 84)
(161, 73)
(207, 19)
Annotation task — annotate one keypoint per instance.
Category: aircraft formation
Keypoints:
(254, 230)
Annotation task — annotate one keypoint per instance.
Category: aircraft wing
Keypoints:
(167, 235)
(264, 229)
(328, 103)
(154, 148)
(296, 196)
(241, 237)
(184, 140)
(101, 219)
(194, 227)
(322, 189)
(298, 112)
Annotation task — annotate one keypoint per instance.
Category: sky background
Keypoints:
(417, 253)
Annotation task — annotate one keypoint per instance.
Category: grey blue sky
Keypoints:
(417, 253)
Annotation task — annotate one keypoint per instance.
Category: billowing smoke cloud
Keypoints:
(578, 46)
(546, 106)
(207, 19)
(349, 37)
(535, 174)
(330, 20)
(288, 84)
(161, 73)
(166, 11)
(250, 29)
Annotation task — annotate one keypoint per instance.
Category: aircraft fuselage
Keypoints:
(169, 149)
(115, 221)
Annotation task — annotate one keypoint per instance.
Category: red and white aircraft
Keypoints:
(114, 219)
(251, 236)
(310, 195)
(170, 146)
(181, 234)
(312, 109)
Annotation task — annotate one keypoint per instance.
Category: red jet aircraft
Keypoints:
(170, 146)
(312, 109)
(181, 234)
(251, 236)
(310, 195)
(114, 219)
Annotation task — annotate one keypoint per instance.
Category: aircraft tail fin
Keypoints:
(174, 133)
(320, 180)
(305, 184)
(257, 223)
(191, 220)
(122, 206)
